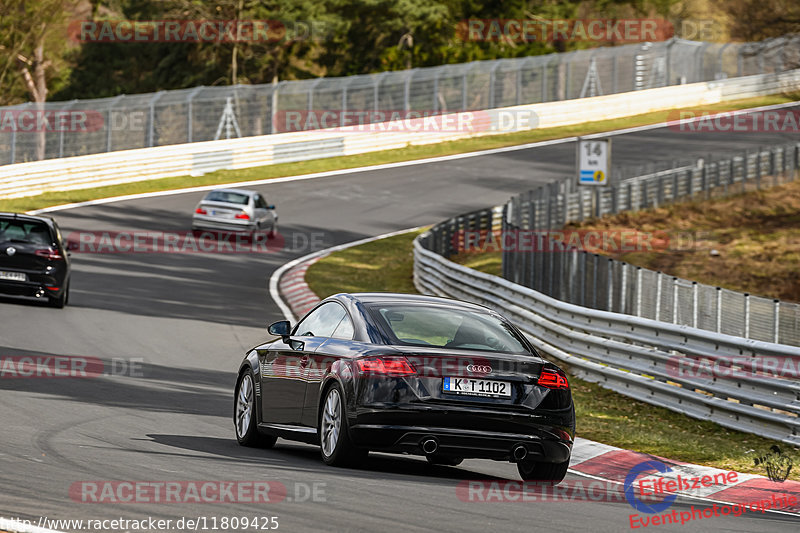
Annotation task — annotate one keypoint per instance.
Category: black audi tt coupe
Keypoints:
(407, 374)
(33, 258)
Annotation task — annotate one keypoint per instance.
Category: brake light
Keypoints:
(201, 211)
(395, 366)
(553, 379)
(49, 254)
(243, 216)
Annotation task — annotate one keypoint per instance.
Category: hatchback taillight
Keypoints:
(391, 366)
(553, 379)
(49, 253)
(201, 211)
(243, 216)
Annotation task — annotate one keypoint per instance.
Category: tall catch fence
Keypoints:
(208, 113)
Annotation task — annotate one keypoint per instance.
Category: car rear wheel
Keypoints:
(60, 301)
(444, 460)
(334, 437)
(545, 473)
(244, 414)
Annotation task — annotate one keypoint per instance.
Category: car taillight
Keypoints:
(243, 216)
(47, 253)
(553, 379)
(393, 366)
(201, 211)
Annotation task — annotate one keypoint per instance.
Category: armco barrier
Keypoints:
(633, 356)
(25, 179)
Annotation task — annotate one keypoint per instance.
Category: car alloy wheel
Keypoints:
(244, 406)
(331, 422)
(244, 414)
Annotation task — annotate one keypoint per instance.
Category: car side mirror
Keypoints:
(270, 206)
(281, 328)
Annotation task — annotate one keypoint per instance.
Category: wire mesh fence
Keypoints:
(62, 129)
(538, 253)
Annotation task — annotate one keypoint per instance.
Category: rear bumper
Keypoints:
(203, 223)
(29, 288)
(478, 434)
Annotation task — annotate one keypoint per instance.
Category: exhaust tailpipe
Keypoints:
(519, 453)
(429, 445)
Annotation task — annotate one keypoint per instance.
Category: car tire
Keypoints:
(273, 231)
(444, 460)
(245, 422)
(60, 301)
(336, 447)
(543, 473)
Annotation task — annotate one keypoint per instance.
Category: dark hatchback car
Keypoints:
(33, 258)
(411, 374)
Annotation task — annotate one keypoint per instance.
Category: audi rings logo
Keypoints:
(479, 369)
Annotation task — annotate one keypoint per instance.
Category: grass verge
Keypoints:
(603, 415)
(375, 158)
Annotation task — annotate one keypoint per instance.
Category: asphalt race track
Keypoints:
(183, 321)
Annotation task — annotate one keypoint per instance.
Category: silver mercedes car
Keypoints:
(235, 210)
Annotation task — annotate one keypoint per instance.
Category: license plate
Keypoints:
(13, 276)
(212, 212)
(477, 387)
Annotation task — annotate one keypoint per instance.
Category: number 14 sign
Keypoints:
(594, 161)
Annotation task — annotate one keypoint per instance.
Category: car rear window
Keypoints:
(420, 325)
(24, 231)
(228, 197)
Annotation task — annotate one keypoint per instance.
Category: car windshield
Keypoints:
(420, 325)
(24, 231)
(228, 197)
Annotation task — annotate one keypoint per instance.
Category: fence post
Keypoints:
(776, 319)
(746, 315)
(719, 309)
(639, 291)
(694, 304)
(152, 126)
(758, 169)
(610, 286)
(674, 300)
(630, 197)
(658, 295)
(623, 289)
(583, 279)
(595, 261)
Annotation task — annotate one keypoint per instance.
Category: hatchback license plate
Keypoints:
(477, 387)
(13, 276)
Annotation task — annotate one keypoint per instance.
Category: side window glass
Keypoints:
(322, 321)
(260, 202)
(344, 330)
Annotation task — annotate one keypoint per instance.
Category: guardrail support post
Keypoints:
(694, 304)
(719, 309)
(746, 315)
(658, 295)
(639, 291)
(610, 286)
(776, 319)
(674, 300)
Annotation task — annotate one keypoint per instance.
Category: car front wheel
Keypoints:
(244, 414)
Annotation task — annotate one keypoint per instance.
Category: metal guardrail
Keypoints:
(555, 268)
(199, 114)
(638, 357)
